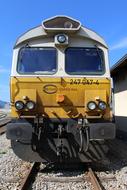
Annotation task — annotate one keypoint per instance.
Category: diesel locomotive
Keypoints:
(60, 90)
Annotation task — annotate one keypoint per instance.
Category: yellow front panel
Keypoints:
(59, 97)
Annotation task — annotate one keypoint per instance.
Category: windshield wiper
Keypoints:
(98, 52)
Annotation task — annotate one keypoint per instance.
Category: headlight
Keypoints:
(19, 105)
(91, 105)
(61, 38)
(68, 24)
(102, 105)
(30, 105)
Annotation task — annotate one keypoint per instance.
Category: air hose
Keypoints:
(81, 139)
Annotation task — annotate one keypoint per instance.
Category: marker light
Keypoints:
(102, 105)
(19, 105)
(30, 105)
(91, 105)
(61, 38)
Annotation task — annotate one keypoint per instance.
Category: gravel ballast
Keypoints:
(13, 170)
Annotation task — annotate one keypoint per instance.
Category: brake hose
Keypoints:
(81, 140)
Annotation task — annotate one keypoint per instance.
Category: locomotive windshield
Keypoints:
(84, 61)
(37, 61)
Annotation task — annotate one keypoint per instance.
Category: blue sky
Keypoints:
(106, 17)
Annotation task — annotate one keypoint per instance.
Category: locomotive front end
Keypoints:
(60, 94)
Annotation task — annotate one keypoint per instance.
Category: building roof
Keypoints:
(119, 64)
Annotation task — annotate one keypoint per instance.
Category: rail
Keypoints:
(94, 180)
(3, 124)
(32, 172)
(34, 169)
(2, 115)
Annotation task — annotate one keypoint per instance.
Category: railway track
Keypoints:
(31, 174)
(2, 115)
(3, 123)
(89, 176)
(94, 180)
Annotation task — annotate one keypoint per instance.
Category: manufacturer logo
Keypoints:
(50, 89)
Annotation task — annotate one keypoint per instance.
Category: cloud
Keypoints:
(4, 70)
(120, 45)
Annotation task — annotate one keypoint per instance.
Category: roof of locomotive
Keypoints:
(41, 32)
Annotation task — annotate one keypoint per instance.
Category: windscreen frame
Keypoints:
(87, 73)
(32, 73)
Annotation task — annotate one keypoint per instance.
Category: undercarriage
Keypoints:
(69, 140)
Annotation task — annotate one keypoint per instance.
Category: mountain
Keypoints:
(4, 104)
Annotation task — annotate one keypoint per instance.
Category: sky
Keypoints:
(107, 17)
